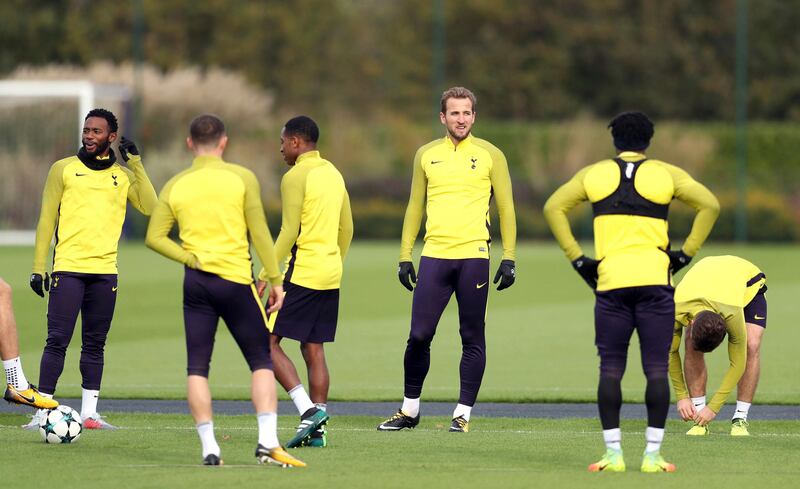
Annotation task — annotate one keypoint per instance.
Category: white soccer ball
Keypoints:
(61, 425)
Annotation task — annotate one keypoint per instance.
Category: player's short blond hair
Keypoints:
(458, 92)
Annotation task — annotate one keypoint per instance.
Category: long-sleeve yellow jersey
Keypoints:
(630, 197)
(454, 185)
(724, 285)
(317, 223)
(215, 204)
(85, 209)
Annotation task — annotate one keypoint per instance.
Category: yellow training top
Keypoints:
(86, 209)
(724, 285)
(215, 204)
(630, 197)
(454, 185)
(317, 224)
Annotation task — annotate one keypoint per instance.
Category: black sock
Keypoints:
(657, 399)
(609, 401)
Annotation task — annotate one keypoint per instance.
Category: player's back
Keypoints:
(725, 279)
(208, 202)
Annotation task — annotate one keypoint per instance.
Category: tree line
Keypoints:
(526, 60)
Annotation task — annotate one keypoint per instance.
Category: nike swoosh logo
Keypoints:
(113, 289)
(80, 174)
(436, 161)
(478, 286)
(31, 399)
(759, 317)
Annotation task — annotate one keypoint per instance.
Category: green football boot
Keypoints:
(612, 461)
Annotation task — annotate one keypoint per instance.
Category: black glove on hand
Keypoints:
(40, 284)
(678, 259)
(127, 146)
(506, 274)
(587, 269)
(406, 274)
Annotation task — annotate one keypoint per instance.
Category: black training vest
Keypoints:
(626, 200)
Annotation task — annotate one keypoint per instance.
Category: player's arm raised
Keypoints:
(412, 222)
(157, 238)
(141, 194)
(504, 197)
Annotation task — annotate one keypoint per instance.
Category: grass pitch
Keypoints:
(540, 333)
(164, 451)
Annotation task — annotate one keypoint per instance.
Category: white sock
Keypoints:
(14, 374)
(410, 407)
(300, 399)
(613, 439)
(699, 402)
(462, 410)
(742, 409)
(268, 429)
(206, 432)
(89, 403)
(654, 437)
(321, 405)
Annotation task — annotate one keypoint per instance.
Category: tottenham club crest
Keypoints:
(474, 161)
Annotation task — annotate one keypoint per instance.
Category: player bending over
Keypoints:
(719, 295)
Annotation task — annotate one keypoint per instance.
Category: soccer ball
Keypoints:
(61, 425)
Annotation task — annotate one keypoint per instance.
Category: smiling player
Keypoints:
(454, 180)
(84, 203)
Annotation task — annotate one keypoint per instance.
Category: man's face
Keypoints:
(289, 148)
(458, 118)
(97, 136)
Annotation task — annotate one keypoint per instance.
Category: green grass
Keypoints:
(164, 451)
(540, 332)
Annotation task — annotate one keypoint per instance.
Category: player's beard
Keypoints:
(458, 138)
(99, 149)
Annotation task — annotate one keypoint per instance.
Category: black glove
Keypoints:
(587, 269)
(406, 274)
(40, 284)
(506, 274)
(677, 260)
(127, 146)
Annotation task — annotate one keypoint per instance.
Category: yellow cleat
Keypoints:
(460, 425)
(277, 456)
(29, 397)
(739, 427)
(698, 430)
(654, 462)
(612, 461)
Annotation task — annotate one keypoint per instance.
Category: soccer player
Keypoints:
(630, 196)
(718, 295)
(216, 205)
(84, 204)
(454, 179)
(18, 390)
(316, 231)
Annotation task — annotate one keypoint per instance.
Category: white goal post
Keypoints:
(85, 91)
(39, 124)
